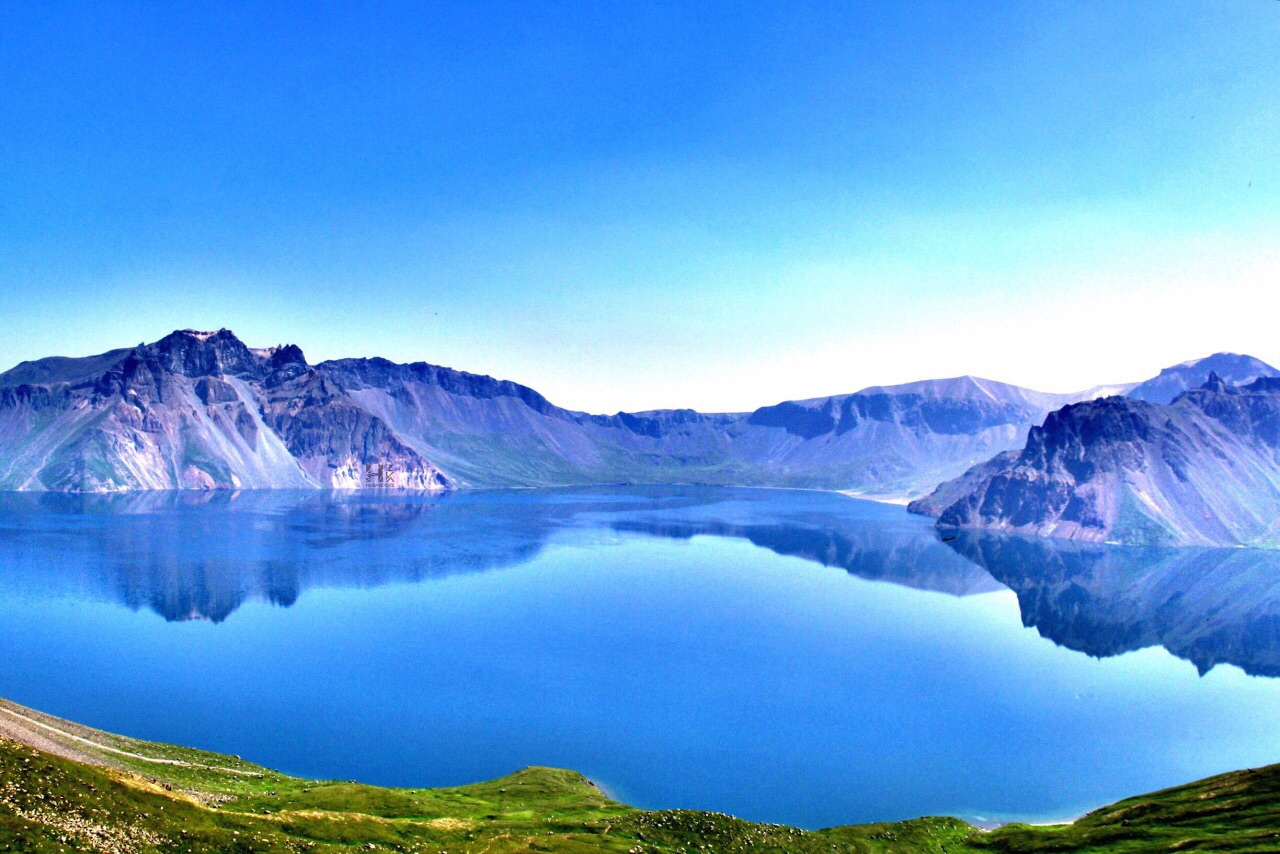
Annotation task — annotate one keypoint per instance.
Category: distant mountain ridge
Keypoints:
(1231, 368)
(201, 410)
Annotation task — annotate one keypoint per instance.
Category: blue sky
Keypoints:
(637, 205)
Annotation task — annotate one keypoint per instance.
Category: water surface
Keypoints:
(784, 656)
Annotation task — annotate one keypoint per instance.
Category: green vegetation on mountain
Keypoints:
(69, 788)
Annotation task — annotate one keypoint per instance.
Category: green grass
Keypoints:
(162, 798)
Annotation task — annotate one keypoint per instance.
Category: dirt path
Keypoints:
(22, 729)
(55, 736)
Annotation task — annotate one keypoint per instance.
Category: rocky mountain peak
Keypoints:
(287, 354)
(194, 353)
(1214, 383)
(284, 363)
(199, 354)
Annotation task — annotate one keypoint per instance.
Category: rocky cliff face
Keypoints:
(1202, 470)
(950, 491)
(194, 410)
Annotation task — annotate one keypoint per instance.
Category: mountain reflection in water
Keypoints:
(187, 555)
(202, 555)
(1207, 606)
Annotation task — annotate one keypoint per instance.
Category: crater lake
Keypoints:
(784, 656)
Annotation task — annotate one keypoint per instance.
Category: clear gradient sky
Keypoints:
(634, 205)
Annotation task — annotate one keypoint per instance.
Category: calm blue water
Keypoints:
(784, 656)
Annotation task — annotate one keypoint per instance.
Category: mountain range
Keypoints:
(202, 410)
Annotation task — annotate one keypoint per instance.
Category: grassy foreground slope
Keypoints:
(69, 788)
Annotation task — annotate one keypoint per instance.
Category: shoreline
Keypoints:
(209, 802)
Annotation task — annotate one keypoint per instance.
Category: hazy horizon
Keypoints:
(634, 208)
